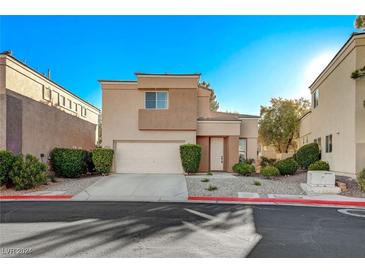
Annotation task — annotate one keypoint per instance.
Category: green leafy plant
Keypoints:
(257, 183)
(211, 188)
(267, 162)
(250, 161)
(6, 162)
(361, 179)
(358, 73)
(270, 171)
(287, 166)
(209, 173)
(319, 165)
(103, 160)
(243, 169)
(190, 155)
(69, 163)
(28, 172)
(204, 180)
(307, 155)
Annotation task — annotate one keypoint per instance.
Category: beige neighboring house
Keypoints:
(337, 117)
(146, 121)
(37, 114)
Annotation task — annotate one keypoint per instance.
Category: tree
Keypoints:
(360, 22)
(279, 123)
(213, 103)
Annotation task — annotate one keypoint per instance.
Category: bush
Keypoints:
(361, 179)
(287, 166)
(270, 171)
(67, 162)
(243, 168)
(6, 162)
(267, 162)
(190, 157)
(246, 161)
(103, 160)
(319, 165)
(307, 155)
(28, 172)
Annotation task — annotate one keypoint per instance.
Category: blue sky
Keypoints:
(246, 59)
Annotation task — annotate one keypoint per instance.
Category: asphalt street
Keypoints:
(132, 229)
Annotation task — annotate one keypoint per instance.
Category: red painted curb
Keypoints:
(35, 197)
(278, 200)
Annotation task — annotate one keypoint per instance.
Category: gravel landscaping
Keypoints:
(64, 186)
(229, 185)
(353, 189)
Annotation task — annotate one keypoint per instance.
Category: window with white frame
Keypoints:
(329, 143)
(75, 107)
(62, 100)
(83, 111)
(315, 98)
(69, 104)
(156, 100)
(47, 94)
(242, 149)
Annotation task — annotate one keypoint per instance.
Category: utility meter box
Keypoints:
(321, 178)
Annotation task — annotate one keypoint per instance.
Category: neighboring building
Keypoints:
(147, 120)
(337, 118)
(37, 114)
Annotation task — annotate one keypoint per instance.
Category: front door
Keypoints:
(216, 154)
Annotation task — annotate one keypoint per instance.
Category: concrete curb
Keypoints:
(280, 201)
(36, 197)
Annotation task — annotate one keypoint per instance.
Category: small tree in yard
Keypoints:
(279, 123)
(213, 103)
(360, 22)
(103, 160)
(190, 157)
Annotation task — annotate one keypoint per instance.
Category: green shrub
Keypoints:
(67, 162)
(190, 157)
(246, 161)
(307, 155)
(211, 188)
(6, 162)
(204, 180)
(267, 162)
(287, 166)
(361, 179)
(28, 172)
(103, 160)
(243, 169)
(270, 171)
(319, 165)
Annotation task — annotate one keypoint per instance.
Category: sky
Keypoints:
(246, 59)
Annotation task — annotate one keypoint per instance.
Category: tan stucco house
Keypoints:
(37, 114)
(147, 120)
(337, 117)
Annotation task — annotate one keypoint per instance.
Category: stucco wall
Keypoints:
(305, 131)
(2, 106)
(180, 115)
(218, 128)
(120, 118)
(45, 127)
(203, 141)
(167, 81)
(231, 154)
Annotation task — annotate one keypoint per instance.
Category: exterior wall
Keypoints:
(25, 81)
(204, 142)
(203, 103)
(249, 131)
(44, 127)
(121, 104)
(336, 115)
(252, 148)
(2, 106)
(231, 153)
(180, 115)
(305, 131)
(218, 128)
(165, 81)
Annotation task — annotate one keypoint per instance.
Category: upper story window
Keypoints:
(75, 107)
(69, 104)
(329, 143)
(83, 111)
(242, 149)
(315, 98)
(47, 94)
(156, 100)
(62, 100)
(319, 142)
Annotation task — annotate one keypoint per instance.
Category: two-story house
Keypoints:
(37, 114)
(337, 117)
(147, 120)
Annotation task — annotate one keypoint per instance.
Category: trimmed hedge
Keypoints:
(287, 166)
(28, 172)
(244, 168)
(102, 159)
(361, 179)
(190, 155)
(6, 162)
(69, 163)
(307, 155)
(319, 165)
(270, 171)
(267, 162)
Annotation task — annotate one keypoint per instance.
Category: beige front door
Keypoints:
(216, 154)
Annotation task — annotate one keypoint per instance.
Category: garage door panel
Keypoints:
(148, 157)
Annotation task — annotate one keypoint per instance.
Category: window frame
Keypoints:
(329, 143)
(239, 148)
(49, 93)
(315, 98)
(156, 108)
(62, 100)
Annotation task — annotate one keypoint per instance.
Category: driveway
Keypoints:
(137, 187)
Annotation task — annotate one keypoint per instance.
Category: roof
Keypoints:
(8, 55)
(220, 118)
(118, 81)
(247, 116)
(167, 74)
(337, 54)
(305, 114)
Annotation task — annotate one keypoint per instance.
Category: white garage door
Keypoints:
(148, 157)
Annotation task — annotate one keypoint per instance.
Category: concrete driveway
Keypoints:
(137, 187)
